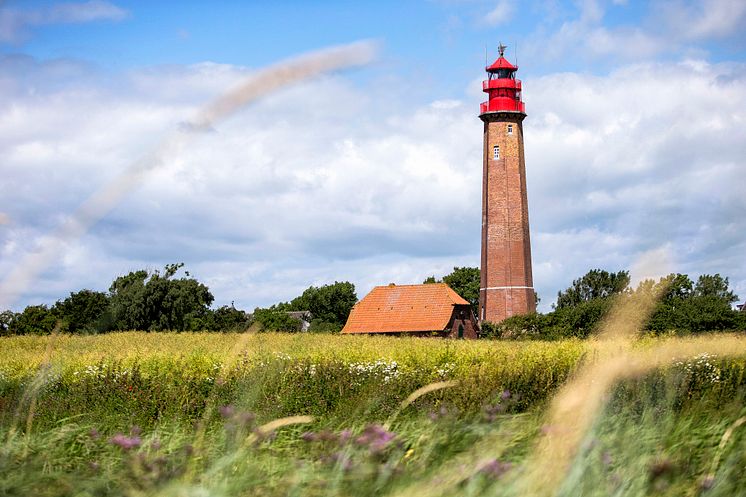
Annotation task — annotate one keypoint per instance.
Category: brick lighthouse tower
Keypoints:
(507, 285)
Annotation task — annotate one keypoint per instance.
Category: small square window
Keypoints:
(496, 152)
(510, 129)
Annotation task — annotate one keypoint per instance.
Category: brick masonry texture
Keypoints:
(506, 244)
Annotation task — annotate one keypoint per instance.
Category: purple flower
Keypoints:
(505, 395)
(326, 436)
(495, 468)
(94, 434)
(125, 442)
(245, 418)
(376, 438)
(491, 412)
(344, 436)
(226, 411)
(308, 436)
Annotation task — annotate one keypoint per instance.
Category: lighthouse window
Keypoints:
(496, 152)
(510, 129)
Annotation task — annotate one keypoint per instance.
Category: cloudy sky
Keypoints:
(635, 140)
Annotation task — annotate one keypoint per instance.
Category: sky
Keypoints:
(635, 140)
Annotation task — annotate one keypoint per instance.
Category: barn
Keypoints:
(432, 309)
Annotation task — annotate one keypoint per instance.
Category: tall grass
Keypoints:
(187, 414)
(141, 378)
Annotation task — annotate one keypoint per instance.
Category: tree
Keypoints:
(327, 303)
(465, 281)
(329, 306)
(595, 284)
(155, 302)
(228, 318)
(677, 286)
(276, 318)
(703, 306)
(715, 286)
(34, 320)
(81, 311)
(127, 307)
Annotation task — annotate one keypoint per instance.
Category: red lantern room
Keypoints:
(503, 89)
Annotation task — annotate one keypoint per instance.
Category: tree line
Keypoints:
(160, 301)
(140, 300)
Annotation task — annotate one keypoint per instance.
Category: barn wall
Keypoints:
(462, 315)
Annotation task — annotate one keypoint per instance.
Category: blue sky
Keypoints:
(635, 140)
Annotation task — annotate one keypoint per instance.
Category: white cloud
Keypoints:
(500, 14)
(15, 23)
(652, 154)
(704, 18)
(330, 181)
(664, 27)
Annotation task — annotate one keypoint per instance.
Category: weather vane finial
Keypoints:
(501, 48)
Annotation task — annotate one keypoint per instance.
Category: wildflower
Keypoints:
(491, 412)
(707, 483)
(376, 438)
(344, 436)
(308, 436)
(94, 434)
(326, 436)
(226, 411)
(125, 442)
(244, 417)
(495, 468)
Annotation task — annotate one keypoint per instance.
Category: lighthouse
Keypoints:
(506, 287)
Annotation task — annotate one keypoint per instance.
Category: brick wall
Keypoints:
(507, 282)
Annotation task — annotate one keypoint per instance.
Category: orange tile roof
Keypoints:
(404, 308)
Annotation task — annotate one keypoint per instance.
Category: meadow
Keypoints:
(301, 414)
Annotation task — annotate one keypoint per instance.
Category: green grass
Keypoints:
(194, 402)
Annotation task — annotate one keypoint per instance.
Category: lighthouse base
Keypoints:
(499, 303)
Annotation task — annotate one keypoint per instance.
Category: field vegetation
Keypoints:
(302, 414)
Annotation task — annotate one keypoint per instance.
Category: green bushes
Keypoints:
(578, 321)
(684, 307)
